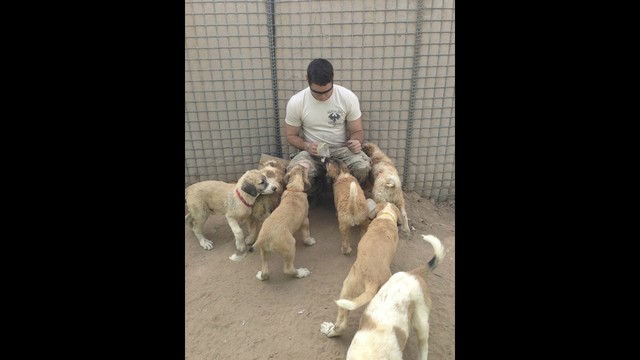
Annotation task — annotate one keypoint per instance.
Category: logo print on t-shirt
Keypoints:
(334, 116)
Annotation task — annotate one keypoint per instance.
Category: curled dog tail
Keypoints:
(393, 181)
(438, 254)
(353, 196)
(362, 299)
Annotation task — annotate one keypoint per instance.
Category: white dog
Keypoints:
(403, 301)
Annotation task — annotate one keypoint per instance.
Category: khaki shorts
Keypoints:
(359, 165)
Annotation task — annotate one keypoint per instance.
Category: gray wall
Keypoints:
(245, 59)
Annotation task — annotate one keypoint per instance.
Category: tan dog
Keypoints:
(274, 171)
(386, 181)
(234, 201)
(372, 266)
(290, 216)
(348, 197)
(401, 303)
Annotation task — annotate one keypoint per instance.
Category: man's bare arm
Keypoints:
(356, 135)
(294, 138)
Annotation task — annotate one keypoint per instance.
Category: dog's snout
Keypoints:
(270, 189)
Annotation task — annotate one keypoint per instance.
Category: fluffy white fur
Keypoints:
(401, 303)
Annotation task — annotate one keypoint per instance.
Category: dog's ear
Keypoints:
(249, 188)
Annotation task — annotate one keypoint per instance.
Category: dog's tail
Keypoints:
(236, 256)
(393, 181)
(360, 300)
(189, 219)
(353, 196)
(251, 248)
(438, 254)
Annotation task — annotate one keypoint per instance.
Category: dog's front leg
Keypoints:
(237, 233)
(254, 228)
(306, 235)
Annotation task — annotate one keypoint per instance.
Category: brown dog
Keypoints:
(401, 303)
(274, 171)
(348, 197)
(235, 201)
(386, 181)
(290, 216)
(372, 266)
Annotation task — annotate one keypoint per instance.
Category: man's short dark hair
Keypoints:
(320, 72)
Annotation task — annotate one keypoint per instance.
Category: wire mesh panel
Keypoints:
(396, 56)
(228, 89)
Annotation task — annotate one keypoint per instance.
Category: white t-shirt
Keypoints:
(323, 120)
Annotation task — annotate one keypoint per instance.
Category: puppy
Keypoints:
(235, 201)
(274, 171)
(386, 181)
(351, 205)
(401, 303)
(371, 268)
(290, 216)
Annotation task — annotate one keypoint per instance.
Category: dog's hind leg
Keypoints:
(330, 329)
(421, 325)
(345, 230)
(198, 224)
(336, 329)
(288, 255)
(264, 273)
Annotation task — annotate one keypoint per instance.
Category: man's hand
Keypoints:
(354, 146)
(312, 148)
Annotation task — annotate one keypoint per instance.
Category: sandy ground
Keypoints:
(232, 315)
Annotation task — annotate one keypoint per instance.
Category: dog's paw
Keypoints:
(260, 277)
(302, 272)
(241, 248)
(236, 257)
(327, 328)
(309, 241)
(346, 251)
(207, 244)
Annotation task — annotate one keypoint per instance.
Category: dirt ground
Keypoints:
(232, 315)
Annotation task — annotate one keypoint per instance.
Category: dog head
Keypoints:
(376, 155)
(386, 208)
(297, 178)
(335, 167)
(274, 171)
(254, 183)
